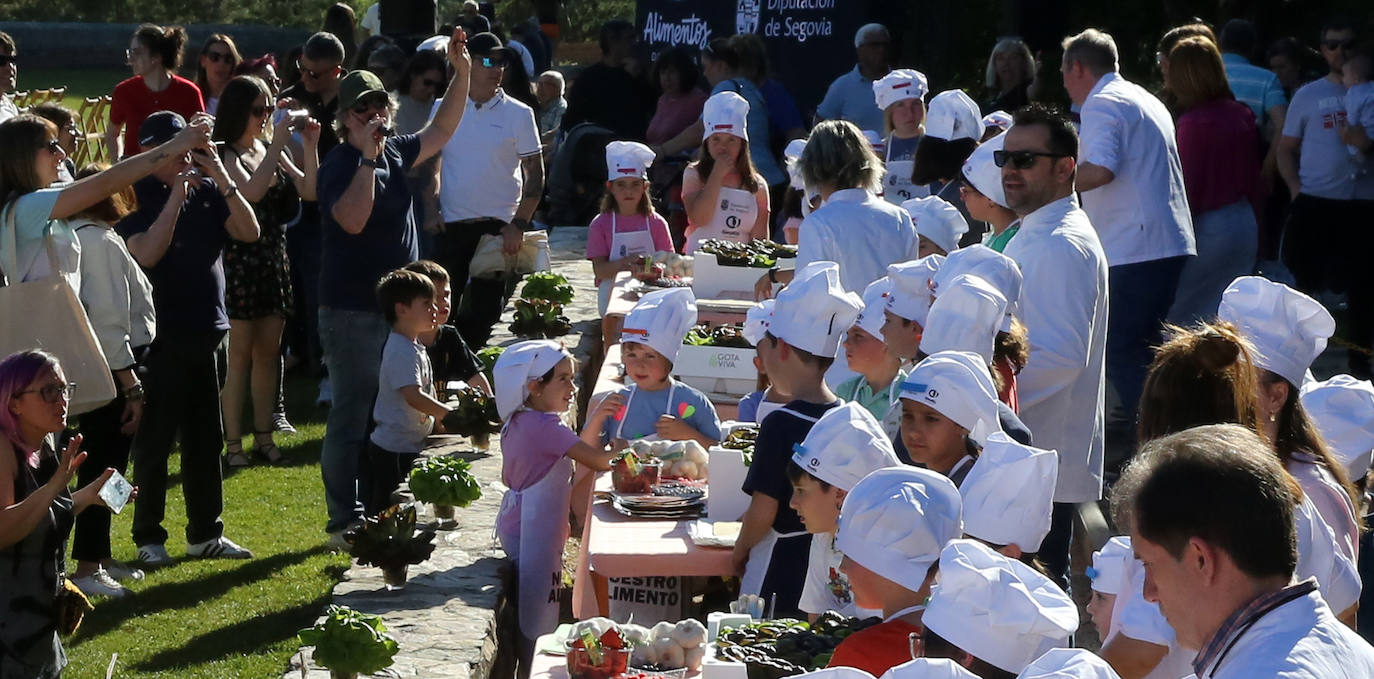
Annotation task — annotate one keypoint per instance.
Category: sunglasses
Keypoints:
(6, 60)
(494, 62)
(258, 111)
(366, 104)
(54, 146)
(1334, 45)
(53, 392)
(316, 74)
(1022, 160)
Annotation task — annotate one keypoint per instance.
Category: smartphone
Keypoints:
(116, 492)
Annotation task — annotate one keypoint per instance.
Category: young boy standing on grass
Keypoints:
(803, 336)
(406, 408)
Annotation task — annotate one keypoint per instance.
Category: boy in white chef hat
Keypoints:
(929, 668)
(949, 407)
(1343, 410)
(980, 189)
(758, 404)
(938, 224)
(880, 371)
(965, 316)
(908, 304)
(627, 230)
(1068, 663)
(1108, 575)
(1011, 346)
(844, 446)
(994, 613)
(892, 527)
(901, 96)
(800, 344)
(656, 404)
(1008, 496)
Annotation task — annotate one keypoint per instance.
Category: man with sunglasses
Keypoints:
(321, 66)
(491, 180)
(1064, 307)
(9, 74)
(1324, 238)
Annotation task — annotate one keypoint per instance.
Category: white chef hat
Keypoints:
(757, 320)
(1109, 563)
(911, 292)
(791, 157)
(1288, 329)
(844, 446)
(522, 362)
(628, 159)
(937, 219)
(1009, 492)
(897, 85)
(984, 174)
(896, 521)
(997, 609)
(660, 320)
(956, 384)
(875, 141)
(1343, 410)
(814, 310)
(965, 316)
(875, 296)
(1068, 663)
(725, 112)
(952, 115)
(839, 672)
(929, 668)
(990, 265)
(998, 119)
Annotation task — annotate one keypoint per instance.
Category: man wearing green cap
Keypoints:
(368, 230)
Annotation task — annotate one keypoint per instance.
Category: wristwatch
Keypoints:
(134, 393)
(773, 275)
(233, 189)
(373, 163)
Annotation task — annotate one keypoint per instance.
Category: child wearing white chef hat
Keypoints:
(1068, 663)
(901, 96)
(938, 224)
(1108, 575)
(880, 371)
(892, 527)
(953, 127)
(767, 397)
(965, 316)
(992, 613)
(628, 230)
(949, 407)
(534, 389)
(1011, 346)
(799, 200)
(1008, 496)
(908, 304)
(725, 196)
(846, 445)
(980, 189)
(929, 668)
(656, 405)
(1343, 410)
(799, 345)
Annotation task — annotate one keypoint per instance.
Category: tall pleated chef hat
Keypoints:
(952, 115)
(1343, 410)
(911, 287)
(814, 310)
(726, 113)
(965, 316)
(1009, 492)
(660, 320)
(628, 159)
(896, 521)
(1109, 563)
(938, 220)
(899, 84)
(990, 265)
(956, 384)
(844, 446)
(1287, 328)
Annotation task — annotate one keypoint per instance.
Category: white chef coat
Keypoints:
(1301, 639)
(1319, 557)
(1142, 214)
(1064, 307)
(862, 233)
(1331, 501)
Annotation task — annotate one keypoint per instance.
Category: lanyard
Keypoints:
(1298, 592)
(671, 389)
(904, 611)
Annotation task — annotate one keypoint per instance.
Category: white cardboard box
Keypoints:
(717, 370)
(725, 471)
(711, 280)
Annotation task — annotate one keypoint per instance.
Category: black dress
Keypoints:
(257, 275)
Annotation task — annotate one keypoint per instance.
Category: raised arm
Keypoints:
(437, 132)
(242, 223)
(84, 193)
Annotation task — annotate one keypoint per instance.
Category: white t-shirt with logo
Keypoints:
(480, 169)
(826, 588)
(1324, 167)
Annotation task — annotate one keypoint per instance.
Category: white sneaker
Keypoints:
(154, 556)
(219, 548)
(123, 572)
(100, 583)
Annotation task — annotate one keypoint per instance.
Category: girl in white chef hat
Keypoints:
(534, 389)
(627, 231)
(949, 407)
(900, 94)
(725, 195)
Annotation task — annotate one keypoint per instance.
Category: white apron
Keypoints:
(734, 219)
(620, 427)
(897, 186)
(756, 569)
(766, 408)
(623, 245)
(538, 550)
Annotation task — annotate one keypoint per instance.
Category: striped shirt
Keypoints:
(1253, 86)
(1234, 626)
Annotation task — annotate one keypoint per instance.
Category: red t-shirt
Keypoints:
(133, 101)
(876, 649)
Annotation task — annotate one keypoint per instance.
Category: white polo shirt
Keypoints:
(1142, 214)
(862, 233)
(480, 169)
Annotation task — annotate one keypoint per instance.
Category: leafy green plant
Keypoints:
(549, 286)
(488, 358)
(348, 641)
(389, 540)
(539, 319)
(728, 335)
(474, 415)
(445, 481)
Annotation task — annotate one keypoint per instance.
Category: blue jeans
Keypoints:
(353, 343)
(1227, 243)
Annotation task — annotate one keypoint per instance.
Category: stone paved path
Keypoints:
(444, 619)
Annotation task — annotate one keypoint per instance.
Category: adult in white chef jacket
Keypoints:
(1131, 181)
(853, 227)
(725, 196)
(1064, 307)
(1211, 517)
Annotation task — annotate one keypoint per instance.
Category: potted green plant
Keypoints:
(445, 482)
(349, 643)
(391, 542)
(474, 416)
(488, 358)
(549, 286)
(539, 319)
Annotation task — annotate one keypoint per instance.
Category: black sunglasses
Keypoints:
(54, 146)
(1021, 160)
(1334, 45)
(6, 59)
(216, 57)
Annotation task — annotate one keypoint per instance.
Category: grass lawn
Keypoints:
(219, 618)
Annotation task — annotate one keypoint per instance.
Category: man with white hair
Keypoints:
(850, 96)
(552, 105)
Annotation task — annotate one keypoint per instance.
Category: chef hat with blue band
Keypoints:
(929, 668)
(899, 84)
(725, 113)
(1343, 410)
(844, 446)
(983, 173)
(1287, 328)
(965, 317)
(757, 320)
(1009, 493)
(871, 319)
(911, 287)
(660, 320)
(814, 310)
(990, 265)
(1109, 563)
(938, 220)
(956, 384)
(522, 362)
(628, 159)
(896, 520)
(1069, 663)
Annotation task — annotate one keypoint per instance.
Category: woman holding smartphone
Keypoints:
(257, 293)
